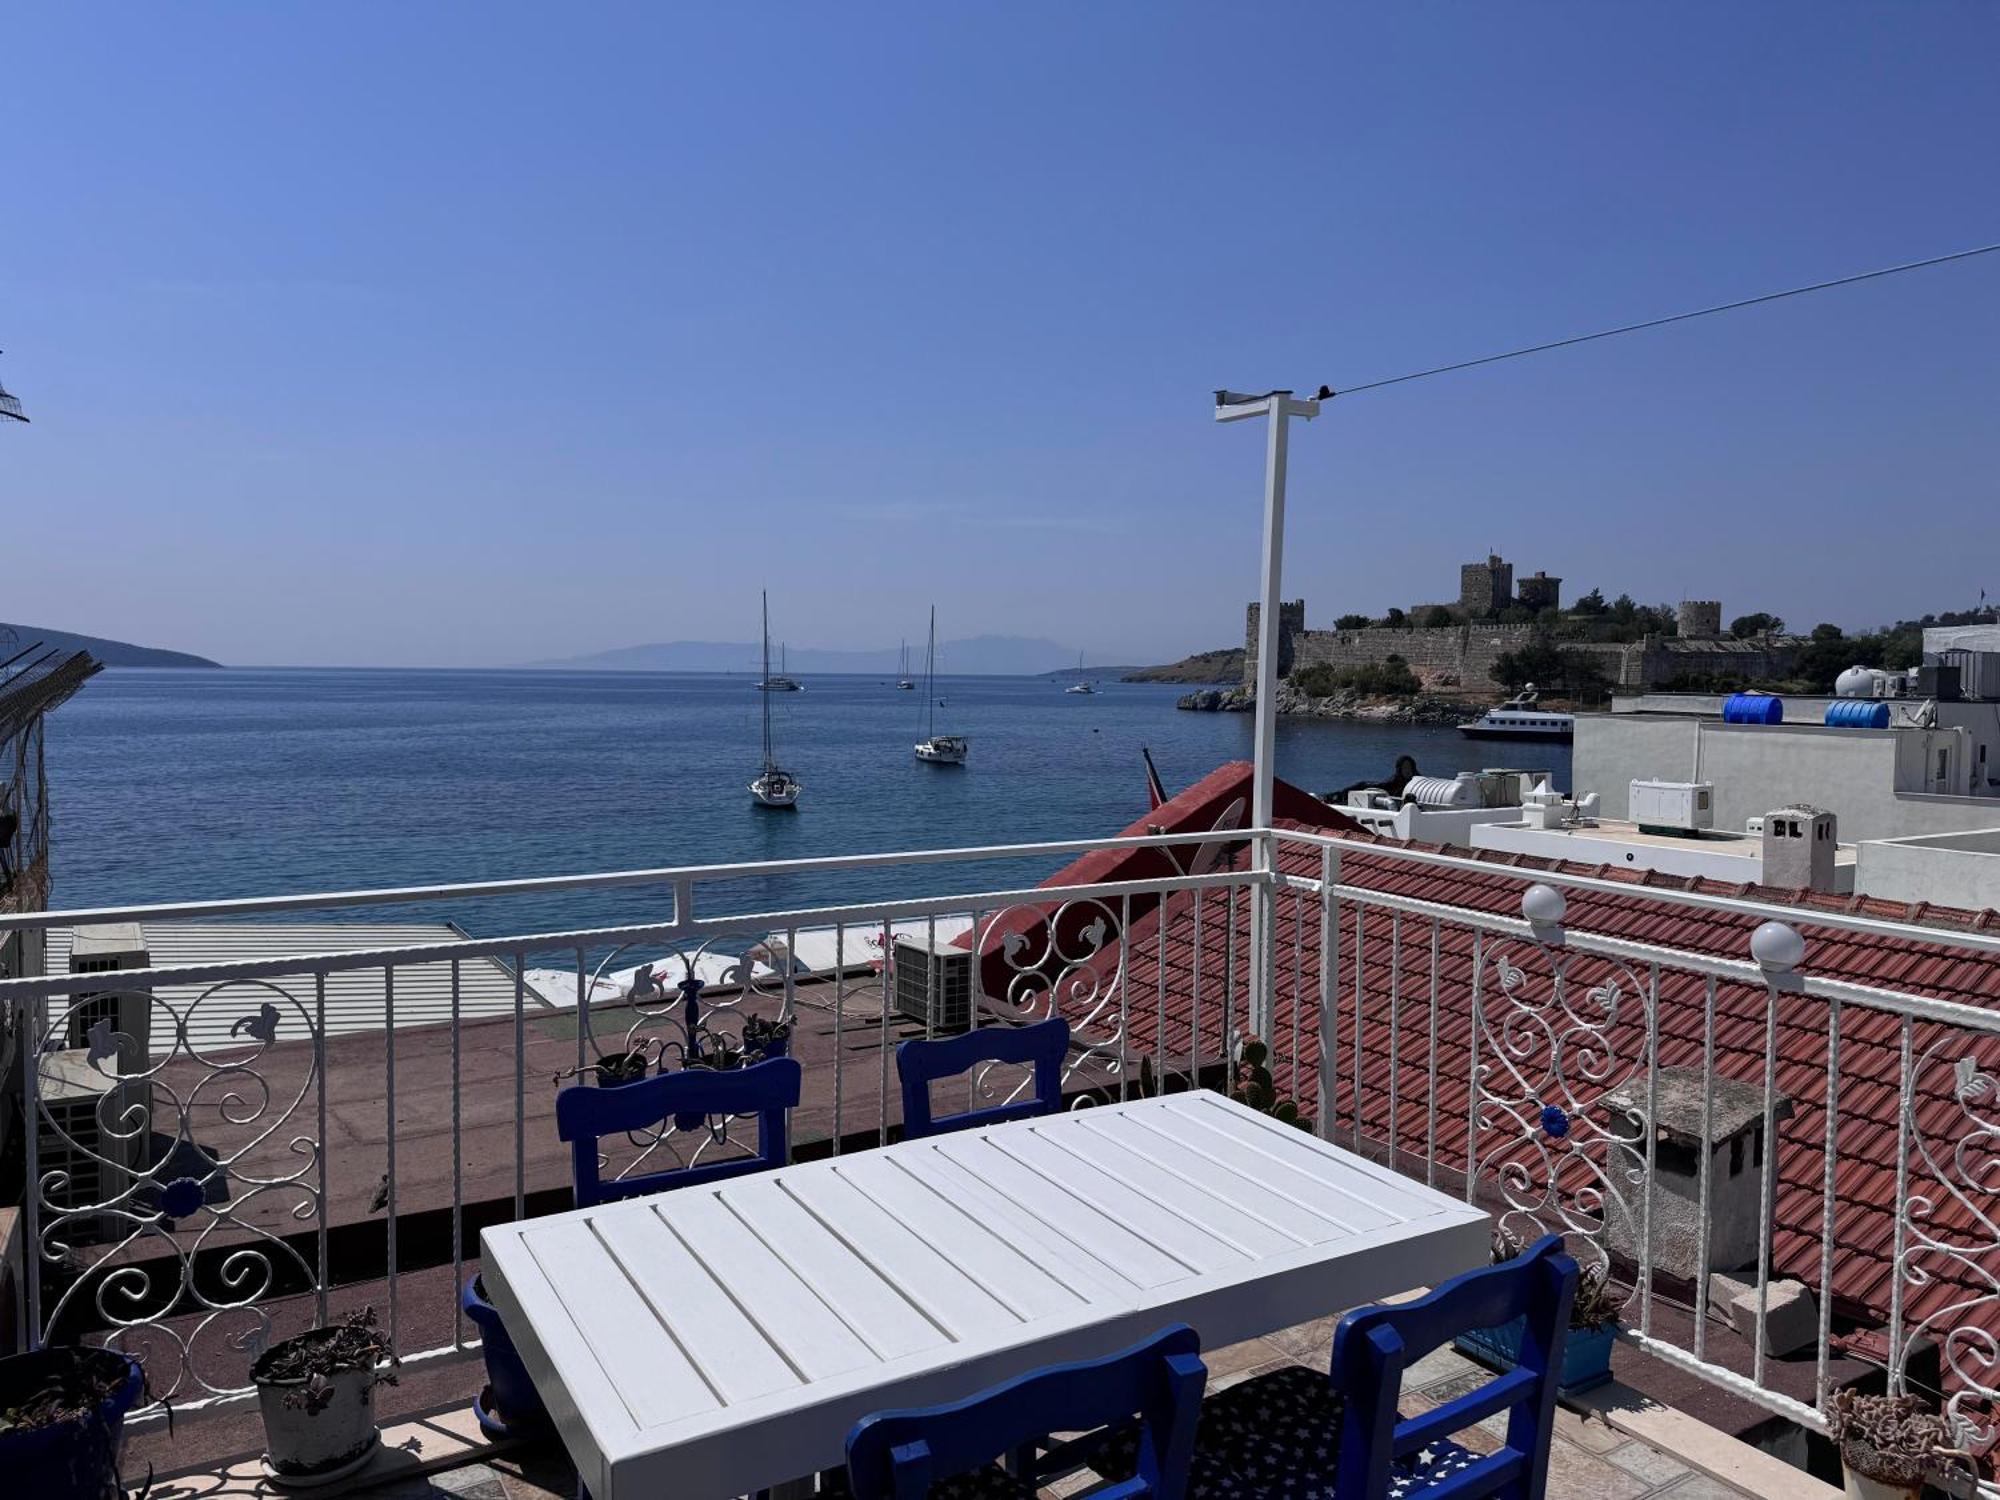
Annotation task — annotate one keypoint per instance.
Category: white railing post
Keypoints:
(1280, 407)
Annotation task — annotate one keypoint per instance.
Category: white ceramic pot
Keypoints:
(304, 1445)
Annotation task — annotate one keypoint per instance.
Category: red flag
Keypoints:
(1155, 793)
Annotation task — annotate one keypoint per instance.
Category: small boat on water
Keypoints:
(937, 749)
(774, 786)
(1080, 685)
(905, 682)
(1520, 719)
(776, 682)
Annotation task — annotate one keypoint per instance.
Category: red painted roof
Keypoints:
(1219, 801)
(1431, 1108)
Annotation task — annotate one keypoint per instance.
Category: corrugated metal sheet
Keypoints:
(356, 999)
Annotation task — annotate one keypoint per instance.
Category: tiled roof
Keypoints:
(1431, 1092)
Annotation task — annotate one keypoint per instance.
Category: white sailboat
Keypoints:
(776, 787)
(904, 682)
(938, 749)
(1079, 686)
(776, 682)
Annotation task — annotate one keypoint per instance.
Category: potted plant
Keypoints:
(317, 1393)
(62, 1420)
(1593, 1329)
(509, 1406)
(1889, 1445)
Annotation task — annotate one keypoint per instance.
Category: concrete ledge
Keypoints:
(1709, 1450)
(421, 1445)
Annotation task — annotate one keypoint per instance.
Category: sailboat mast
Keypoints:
(766, 684)
(930, 675)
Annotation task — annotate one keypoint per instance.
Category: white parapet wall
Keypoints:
(1945, 869)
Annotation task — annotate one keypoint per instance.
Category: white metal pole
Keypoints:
(1279, 407)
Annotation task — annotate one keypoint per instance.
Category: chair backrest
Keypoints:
(1372, 1347)
(900, 1454)
(1045, 1044)
(585, 1113)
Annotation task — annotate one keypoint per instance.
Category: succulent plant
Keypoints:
(1251, 1084)
(1894, 1440)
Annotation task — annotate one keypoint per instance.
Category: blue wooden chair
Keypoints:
(585, 1113)
(1295, 1432)
(918, 1063)
(949, 1452)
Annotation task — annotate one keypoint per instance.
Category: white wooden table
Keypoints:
(714, 1340)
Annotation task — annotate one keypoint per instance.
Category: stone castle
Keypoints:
(1462, 654)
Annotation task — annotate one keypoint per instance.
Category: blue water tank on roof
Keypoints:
(1753, 708)
(1858, 713)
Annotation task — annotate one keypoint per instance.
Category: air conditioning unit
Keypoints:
(92, 1131)
(1675, 807)
(109, 948)
(933, 982)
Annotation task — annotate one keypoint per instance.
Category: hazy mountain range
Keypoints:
(979, 655)
(111, 653)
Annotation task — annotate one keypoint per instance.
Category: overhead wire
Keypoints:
(1328, 392)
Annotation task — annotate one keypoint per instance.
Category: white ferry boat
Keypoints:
(1519, 719)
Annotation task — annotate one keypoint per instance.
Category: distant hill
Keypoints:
(979, 655)
(1225, 665)
(111, 653)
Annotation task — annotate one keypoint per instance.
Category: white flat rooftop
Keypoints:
(356, 999)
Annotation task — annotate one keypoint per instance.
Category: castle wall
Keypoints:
(1463, 655)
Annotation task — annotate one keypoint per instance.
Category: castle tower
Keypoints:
(1486, 588)
(1699, 619)
(1291, 620)
(1539, 592)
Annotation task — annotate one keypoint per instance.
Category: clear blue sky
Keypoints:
(432, 335)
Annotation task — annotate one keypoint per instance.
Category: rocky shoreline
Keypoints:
(1424, 708)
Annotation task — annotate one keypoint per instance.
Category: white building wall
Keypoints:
(1755, 768)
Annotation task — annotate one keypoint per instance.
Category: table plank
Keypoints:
(788, 1312)
(1269, 1205)
(971, 1283)
(879, 1314)
(1181, 1227)
(719, 1339)
(656, 1385)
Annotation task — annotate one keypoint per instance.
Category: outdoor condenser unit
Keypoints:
(933, 982)
(1682, 807)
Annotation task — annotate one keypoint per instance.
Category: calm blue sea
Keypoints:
(184, 784)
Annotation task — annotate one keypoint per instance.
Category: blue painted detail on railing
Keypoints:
(1554, 1122)
(918, 1063)
(896, 1455)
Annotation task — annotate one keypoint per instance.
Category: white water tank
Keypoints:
(1461, 790)
(1855, 682)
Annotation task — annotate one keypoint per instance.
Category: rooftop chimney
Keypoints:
(1799, 844)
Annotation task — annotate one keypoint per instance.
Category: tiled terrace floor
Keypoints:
(1591, 1460)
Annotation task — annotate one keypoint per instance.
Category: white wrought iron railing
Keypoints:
(1727, 1101)
(1526, 1049)
(213, 1161)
